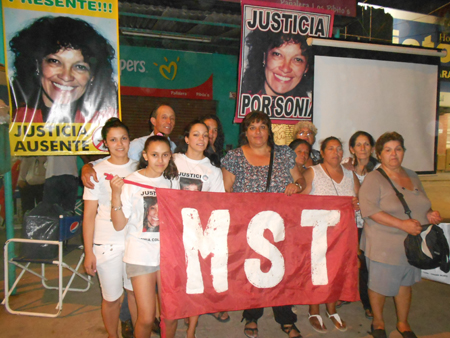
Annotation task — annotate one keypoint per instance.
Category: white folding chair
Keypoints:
(69, 226)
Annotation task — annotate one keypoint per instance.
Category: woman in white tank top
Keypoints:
(330, 178)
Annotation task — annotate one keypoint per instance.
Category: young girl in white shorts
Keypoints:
(132, 204)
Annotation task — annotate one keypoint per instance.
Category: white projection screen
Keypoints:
(379, 93)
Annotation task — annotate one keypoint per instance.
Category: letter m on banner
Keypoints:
(235, 251)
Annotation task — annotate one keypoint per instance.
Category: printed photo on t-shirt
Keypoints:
(151, 219)
(191, 184)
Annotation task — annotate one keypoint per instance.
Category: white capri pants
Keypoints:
(111, 270)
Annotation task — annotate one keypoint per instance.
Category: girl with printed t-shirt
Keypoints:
(198, 170)
(104, 247)
(132, 208)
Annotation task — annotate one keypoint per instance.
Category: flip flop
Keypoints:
(368, 313)
(378, 333)
(254, 331)
(319, 318)
(337, 318)
(287, 328)
(219, 317)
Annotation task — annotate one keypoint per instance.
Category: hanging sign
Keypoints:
(275, 71)
(62, 66)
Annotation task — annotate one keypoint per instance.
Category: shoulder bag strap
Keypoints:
(269, 175)
(398, 193)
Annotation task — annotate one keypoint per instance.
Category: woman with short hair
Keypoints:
(386, 227)
(246, 169)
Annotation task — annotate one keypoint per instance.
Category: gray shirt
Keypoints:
(383, 243)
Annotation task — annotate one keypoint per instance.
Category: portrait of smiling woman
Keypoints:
(63, 73)
(277, 65)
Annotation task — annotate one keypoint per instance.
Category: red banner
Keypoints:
(249, 250)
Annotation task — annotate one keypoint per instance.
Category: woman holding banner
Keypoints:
(63, 73)
(332, 179)
(385, 229)
(198, 170)
(277, 65)
(261, 166)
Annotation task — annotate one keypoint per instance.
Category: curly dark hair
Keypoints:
(259, 44)
(49, 35)
(256, 116)
(171, 171)
(220, 140)
(183, 146)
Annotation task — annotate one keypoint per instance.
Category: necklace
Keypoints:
(332, 181)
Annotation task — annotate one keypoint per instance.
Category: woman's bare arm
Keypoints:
(228, 180)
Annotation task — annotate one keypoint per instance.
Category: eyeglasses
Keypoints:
(305, 133)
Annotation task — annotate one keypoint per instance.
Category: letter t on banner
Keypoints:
(212, 241)
(320, 220)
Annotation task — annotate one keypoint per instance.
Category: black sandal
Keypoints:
(377, 333)
(287, 328)
(254, 332)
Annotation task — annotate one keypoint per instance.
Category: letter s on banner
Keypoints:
(320, 220)
(255, 237)
(212, 241)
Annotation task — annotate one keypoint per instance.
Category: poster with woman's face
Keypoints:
(275, 67)
(151, 218)
(62, 67)
(191, 184)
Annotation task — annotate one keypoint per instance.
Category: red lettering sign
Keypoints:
(235, 251)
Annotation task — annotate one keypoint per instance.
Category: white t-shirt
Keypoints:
(198, 175)
(142, 238)
(104, 232)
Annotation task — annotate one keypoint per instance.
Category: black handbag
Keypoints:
(429, 249)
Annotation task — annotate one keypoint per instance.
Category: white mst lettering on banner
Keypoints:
(214, 241)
